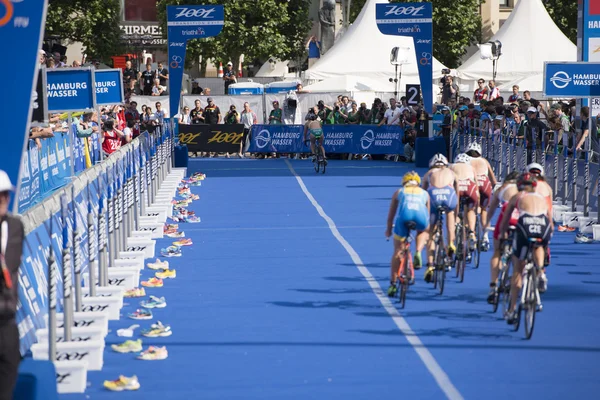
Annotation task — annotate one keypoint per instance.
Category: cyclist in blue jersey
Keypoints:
(442, 185)
(412, 205)
(315, 130)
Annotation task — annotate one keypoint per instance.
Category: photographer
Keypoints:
(450, 89)
(377, 112)
(324, 112)
(409, 144)
(232, 116)
(364, 114)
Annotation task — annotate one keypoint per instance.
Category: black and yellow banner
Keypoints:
(212, 138)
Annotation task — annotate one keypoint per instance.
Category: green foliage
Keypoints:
(256, 29)
(94, 23)
(564, 14)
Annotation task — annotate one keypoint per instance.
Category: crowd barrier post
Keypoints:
(574, 173)
(102, 234)
(52, 300)
(92, 247)
(555, 181)
(112, 242)
(66, 266)
(544, 154)
(565, 167)
(533, 145)
(77, 256)
(586, 174)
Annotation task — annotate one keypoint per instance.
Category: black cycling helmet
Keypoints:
(511, 177)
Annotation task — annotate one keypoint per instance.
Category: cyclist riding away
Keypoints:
(412, 204)
(545, 190)
(486, 180)
(314, 128)
(500, 200)
(535, 221)
(467, 192)
(442, 186)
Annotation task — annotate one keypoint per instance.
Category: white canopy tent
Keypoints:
(350, 83)
(275, 68)
(364, 51)
(529, 37)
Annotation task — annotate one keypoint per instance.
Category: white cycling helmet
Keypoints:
(438, 159)
(462, 158)
(474, 147)
(535, 166)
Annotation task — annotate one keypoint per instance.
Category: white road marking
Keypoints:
(426, 357)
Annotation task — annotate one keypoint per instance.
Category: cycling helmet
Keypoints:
(438, 159)
(462, 158)
(312, 117)
(513, 176)
(474, 147)
(536, 167)
(411, 177)
(526, 179)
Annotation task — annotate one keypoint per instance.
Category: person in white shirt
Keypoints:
(184, 117)
(392, 115)
(248, 118)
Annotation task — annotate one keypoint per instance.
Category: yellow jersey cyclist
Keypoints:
(315, 130)
(410, 203)
(442, 185)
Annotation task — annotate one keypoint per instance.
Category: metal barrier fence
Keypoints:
(569, 173)
(84, 246)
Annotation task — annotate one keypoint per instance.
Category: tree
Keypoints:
(256, 29)
(564, 14)
(94, 23)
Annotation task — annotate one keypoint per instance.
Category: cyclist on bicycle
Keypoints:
(486, 180)
(535, 221)
(314, 128)
(545, 190)
(500, 200)
(467, 193)
(412, 204)
(442, 186)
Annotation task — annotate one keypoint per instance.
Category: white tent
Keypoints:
(364, 51)
(529, 37)
(350, 83)
(274, 68)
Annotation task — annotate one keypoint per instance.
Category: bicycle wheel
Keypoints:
(457, 256)
(440, 265)
(478, 236)
(316, 164)
(323, 164)
(463, 259)
(530, 303)
(407, 277)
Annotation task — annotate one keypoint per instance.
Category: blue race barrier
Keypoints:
(353, 139)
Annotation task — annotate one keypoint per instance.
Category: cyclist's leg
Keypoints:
(453, 202)
(321, 143)
(520, 246)
(312, 144)
(400, 234)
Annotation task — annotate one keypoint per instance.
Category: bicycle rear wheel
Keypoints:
(478, 235)
(530, 303)
(407, 273)
(323, 164)
(440, 265)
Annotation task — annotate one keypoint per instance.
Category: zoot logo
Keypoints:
(177, 44)
(60, 378)
(97, 308)
(75, 356)
(116, 281)
(400, 10)
(193, 12)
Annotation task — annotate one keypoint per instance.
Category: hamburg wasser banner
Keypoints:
(414, 20)
(70, 89)
(109, 86)
(351, 139)
(187, 22)
(21, 32)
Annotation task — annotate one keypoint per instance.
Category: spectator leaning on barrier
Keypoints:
(275, 117)
(196, 114)
(12, 236)
(111, 137)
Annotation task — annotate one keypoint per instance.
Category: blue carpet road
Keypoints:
(268, 303)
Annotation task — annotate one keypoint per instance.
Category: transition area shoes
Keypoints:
(153, 283)
(129, 346)
(158, 265)
(136, 292)
(166, 274)
(157, 330)
(141, 314)
(154, 353)
(123, 383)
(154, 302)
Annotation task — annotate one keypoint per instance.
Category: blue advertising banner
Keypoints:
(70, 89)
(187, 22)
(574, 79)
(591, 30)
(109, 86)
(353, 139)
(414, 20)
(21, 32)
